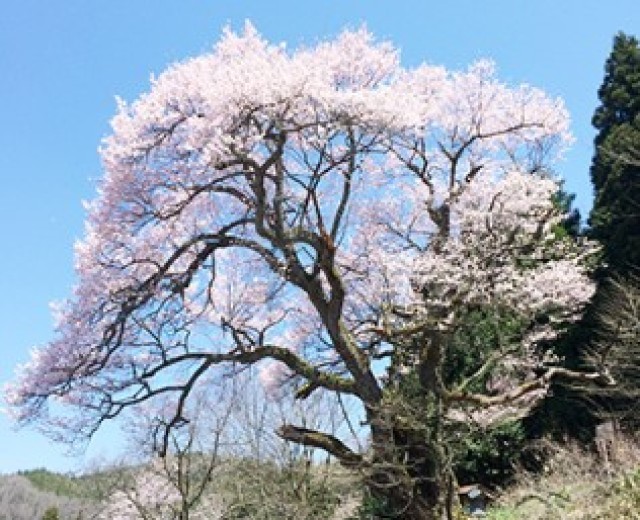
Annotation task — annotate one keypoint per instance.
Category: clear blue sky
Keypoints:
(62, 62)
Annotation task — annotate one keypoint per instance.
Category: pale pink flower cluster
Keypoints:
(154, 495)
(499, 228)
(272, 376)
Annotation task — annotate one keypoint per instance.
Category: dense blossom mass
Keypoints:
(370, 157)
(310, 210)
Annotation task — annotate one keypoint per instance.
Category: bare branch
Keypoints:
(600, 378)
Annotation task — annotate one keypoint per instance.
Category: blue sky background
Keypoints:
(63, 61)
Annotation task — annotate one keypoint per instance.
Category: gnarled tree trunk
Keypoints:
(410, 476)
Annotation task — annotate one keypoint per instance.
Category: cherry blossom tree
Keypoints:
(153, 494)
(313, 211)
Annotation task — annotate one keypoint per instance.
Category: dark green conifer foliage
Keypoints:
(615, 222)
(615, 170)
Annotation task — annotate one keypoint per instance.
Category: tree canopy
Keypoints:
(314, 211)
(615, 170)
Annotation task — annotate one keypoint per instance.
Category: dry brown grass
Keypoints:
(576, 484)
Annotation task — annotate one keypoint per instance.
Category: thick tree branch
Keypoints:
(296, 364)
(600, 378)
(324, 441)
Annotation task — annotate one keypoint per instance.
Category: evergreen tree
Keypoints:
(615, 170)
(615, 222)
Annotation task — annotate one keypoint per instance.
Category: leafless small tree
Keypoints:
(225, 457)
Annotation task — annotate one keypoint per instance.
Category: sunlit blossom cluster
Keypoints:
(152, 494)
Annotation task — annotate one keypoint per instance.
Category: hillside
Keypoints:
(20, 499)
(573, 484)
